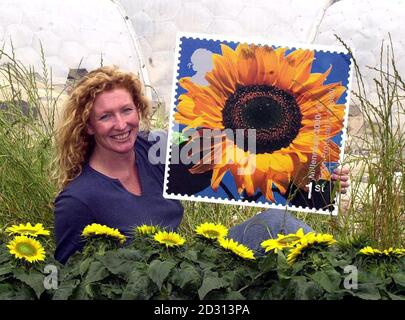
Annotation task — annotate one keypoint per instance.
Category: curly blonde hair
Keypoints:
(73, 144)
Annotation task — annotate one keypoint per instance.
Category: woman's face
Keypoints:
(114, 122)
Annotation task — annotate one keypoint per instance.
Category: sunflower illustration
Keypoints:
(293, 113)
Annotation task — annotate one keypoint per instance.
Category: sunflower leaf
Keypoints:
(210, 284)
(13, 291)
(275, 291)
(369, 277)
(268, 263)
(298, 266)
(7, 291)
(301, 289)
(81, 292)
(84, 265)
(187, 277)
(368, 291)
(140, 286)
(334, 261)
(283, 269)
(96, 272)
(394, 296)
(111, 292)
(399, 279)
(234, 295)
(73, 266)
(237, 277)
(329, 280)
(32, 278)
(159, 270)
(6, 269)
(191, 255)
(210, 253)
(66, 289)
(120, 262)
(224, 294)
(4, 257)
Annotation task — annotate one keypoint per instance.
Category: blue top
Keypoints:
(95, 198)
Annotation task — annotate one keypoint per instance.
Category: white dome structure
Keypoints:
(73, 34)
(140, 35)
(367, 26)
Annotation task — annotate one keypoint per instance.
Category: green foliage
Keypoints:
(201, 269)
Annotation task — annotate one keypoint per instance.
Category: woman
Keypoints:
(104, 173)
(103, 162)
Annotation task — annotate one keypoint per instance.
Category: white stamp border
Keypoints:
(258, 41)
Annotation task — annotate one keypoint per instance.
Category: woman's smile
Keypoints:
(122, 136)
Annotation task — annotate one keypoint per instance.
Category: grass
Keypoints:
(377, 206)
(27, 118)
(377, 194)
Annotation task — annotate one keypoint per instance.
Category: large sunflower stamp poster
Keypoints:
(258, 124)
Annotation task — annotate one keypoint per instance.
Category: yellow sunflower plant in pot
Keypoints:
(99, 238)
(22, 261)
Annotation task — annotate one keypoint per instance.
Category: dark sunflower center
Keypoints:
(272, 112)
(261, 113)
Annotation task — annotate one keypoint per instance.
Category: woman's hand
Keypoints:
(341, 174)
